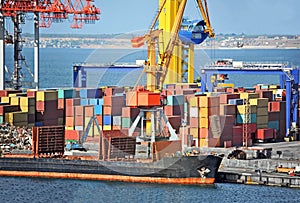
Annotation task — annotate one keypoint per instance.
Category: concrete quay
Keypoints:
(260, 171)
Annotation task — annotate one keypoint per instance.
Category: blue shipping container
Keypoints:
(107, 120)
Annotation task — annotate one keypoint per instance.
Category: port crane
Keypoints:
(159, 65)
(45, 12)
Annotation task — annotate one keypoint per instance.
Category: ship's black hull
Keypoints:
(173, 167)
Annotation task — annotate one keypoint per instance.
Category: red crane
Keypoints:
(45, 13)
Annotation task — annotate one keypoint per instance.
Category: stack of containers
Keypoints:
(277, 110)
(194, 119)
(262, 113)
(209, 125)
(5, 106)
(227, 118)
(27, 104)
(47, 108)
(129, 114)
(112, 111)
(89, 98)
(70, 112)
(174, 110)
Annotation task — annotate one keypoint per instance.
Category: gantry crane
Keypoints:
(45, 12)
(163, 66)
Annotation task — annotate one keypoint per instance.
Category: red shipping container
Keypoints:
(71, 135)
(251, 127)
(110, 91)
(274, 106)
(99, 119)
(79, 120)
(72, 102)
(130, 112)
(88, 111)
(194, 122)
(5, 93)
(70, 121)
(173, 110)
(61, 103)
(237, 131)
(225, 97)
(46, 105)
(79, 111)
(69, 111)
(113, 111)
(265, 134)
(237, 140)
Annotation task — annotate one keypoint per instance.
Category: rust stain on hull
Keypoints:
(102, 177)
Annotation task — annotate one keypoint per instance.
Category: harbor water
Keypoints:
(73, 191)
(56, 71)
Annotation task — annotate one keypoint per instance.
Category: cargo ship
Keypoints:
(186, 170)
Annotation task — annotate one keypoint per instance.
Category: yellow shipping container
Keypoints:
(48, 95)
(194, 132)
(30, 109)
(274, 87)
(205, 101)
(205, 112)
(262, 111)
(5, 99)
(246, 95)
(16, 117)
(15, 101)
(203, 142)
(241, 109)
(69, 127)
(27, 101)
(204, 123)
(194, 102)
(107, 127)
(259, 102)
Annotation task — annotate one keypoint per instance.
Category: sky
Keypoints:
(252, 17)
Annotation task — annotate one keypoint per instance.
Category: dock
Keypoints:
(255, 171)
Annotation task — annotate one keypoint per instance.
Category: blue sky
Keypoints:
(227, 16)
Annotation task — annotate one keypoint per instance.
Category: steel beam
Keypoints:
(36, 50)
(2, 53)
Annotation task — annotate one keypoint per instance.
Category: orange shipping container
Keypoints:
(149, 99)
(205, 112)
(72, 102)
(70, 121)
(61, 103)
(205, 101)
(88, 111)
(79, 111)
(71, 135)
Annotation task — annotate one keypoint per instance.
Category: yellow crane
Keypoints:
(162, 66)
(165, 67)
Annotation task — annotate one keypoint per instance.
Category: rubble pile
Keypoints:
(14, 138)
